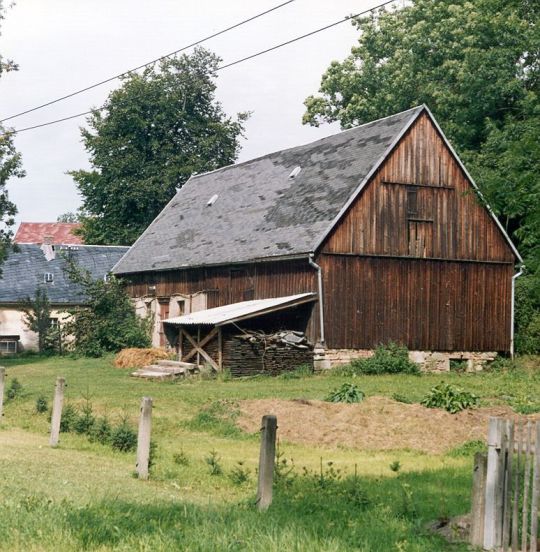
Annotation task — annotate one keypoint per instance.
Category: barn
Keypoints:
(374, 234)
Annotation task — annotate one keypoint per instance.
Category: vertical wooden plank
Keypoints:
(266, 461)
(507, 497)
(494, 486)
(57, 411)
(526, 484)
(180, 344)
(143, 440)
(220, 348)
(515, 509)
(535, 494)
(478, 499)
(2, 385)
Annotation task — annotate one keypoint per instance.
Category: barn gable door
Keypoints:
(420, 221)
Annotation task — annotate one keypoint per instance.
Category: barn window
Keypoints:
(412, 202)
(181, 306)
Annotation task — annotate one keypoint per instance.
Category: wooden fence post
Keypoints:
(57, 411)
(535, 494)
(2, 385)
(143, 441)
(478, 499)
(267, 460)
(493, 518)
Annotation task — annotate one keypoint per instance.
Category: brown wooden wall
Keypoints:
(425, 304)
(224, 285)
(420, 204)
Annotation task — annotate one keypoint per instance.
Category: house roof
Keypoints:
(36, 232)
(24, 270)
(234, 312)
(260, 212)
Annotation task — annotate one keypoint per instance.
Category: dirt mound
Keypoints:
(378, 423)
(137, 358)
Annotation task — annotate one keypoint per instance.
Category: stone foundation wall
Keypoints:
(431, 361)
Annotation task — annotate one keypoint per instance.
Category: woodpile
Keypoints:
(253, 353)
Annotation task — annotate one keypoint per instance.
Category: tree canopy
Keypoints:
(155, 131)
(10, 167)
(476, 64)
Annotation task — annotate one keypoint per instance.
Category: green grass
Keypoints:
(82, 496)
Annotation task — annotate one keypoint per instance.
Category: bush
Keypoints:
(101, 431)
(41, 405)
(387, 359)
(68, 419)
(449, 397)
(14, 389)
(181, 458)
(84, 423)
(239, 474)
(213, 462)
(528, 314)
(124, 437)
(347, 393)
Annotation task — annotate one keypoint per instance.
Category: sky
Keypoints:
(63, 45)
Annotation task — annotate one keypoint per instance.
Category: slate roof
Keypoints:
(24, 270)
(36, 232)
(260, 212)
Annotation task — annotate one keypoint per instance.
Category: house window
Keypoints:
(8, 346)
(181, 306)
(54, 322)
(48, 277)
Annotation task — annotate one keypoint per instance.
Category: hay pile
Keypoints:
(377, 423)
(137, 358)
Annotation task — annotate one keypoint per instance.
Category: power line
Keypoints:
(120, 75)
(241, 60)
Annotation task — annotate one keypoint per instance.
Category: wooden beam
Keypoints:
(220, 349)
(202, 343)
(201, 352)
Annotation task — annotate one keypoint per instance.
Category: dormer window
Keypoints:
(48, 277)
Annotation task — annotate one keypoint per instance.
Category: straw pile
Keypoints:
(137, 358)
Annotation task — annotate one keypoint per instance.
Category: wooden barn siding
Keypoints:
(427, 305)
(378, 223)
(224, 285)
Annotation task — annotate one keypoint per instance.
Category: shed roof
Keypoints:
(234, 312)
(36, 232)
(260, 211)
(24, 270)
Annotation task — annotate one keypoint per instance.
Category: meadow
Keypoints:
(200, 497)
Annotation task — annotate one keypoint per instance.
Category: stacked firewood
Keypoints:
(254, 352)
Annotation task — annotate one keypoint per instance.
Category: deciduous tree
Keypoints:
(156, 130)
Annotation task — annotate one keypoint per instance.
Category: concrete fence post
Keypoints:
(493, 514)
(143, 441)
(267, 460)
(2, 385)
(57, 411)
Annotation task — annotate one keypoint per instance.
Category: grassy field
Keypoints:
(83, 495)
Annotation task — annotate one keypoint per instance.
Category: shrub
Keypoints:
(181, 458)
(124, 437)
(213, 462)
(41, 405)
(101, 431)
(85, 421)
(68, 419)
(347, 393)
(14, 389)
(239, 474)
(387, 359)
(449, 397)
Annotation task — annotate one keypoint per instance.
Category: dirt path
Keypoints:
(378, 423)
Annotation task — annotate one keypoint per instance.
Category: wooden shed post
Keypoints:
(143, 440)
(2, 385)
(220, 348)
(57, 411)
(267, 460)
(478, 499)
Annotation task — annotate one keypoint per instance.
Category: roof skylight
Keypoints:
(212, 200)
(295, 172)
